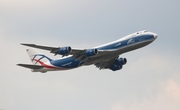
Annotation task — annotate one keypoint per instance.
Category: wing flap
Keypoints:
(105, 64)
(30, 66)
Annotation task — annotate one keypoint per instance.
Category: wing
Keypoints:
(77, 53)
(80, 54)
(54, 49)
(30, 66)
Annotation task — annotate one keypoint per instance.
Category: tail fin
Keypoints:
(37, 58)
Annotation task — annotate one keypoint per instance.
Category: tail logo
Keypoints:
(41, 57)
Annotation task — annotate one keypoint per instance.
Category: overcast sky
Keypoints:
(149, 81)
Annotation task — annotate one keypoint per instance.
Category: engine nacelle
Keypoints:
(115, 67)
(121, 61)
(91, 52)
(118, 64)
(65, 50)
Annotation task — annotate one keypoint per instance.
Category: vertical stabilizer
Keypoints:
(37, 58)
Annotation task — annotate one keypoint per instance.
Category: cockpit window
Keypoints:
(145, 31)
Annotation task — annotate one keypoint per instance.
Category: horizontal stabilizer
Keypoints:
(30, 66)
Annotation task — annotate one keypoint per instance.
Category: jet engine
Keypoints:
(121, 61)
(91, 52)
(65, 50)
(118, 64)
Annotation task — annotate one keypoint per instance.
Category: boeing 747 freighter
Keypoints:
(103, 57)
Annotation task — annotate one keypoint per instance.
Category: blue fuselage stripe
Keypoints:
(124, 43)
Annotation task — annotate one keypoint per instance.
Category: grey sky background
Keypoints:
(149, 81)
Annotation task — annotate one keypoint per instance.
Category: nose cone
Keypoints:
(155, 35)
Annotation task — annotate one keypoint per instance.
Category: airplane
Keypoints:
(103, 57)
